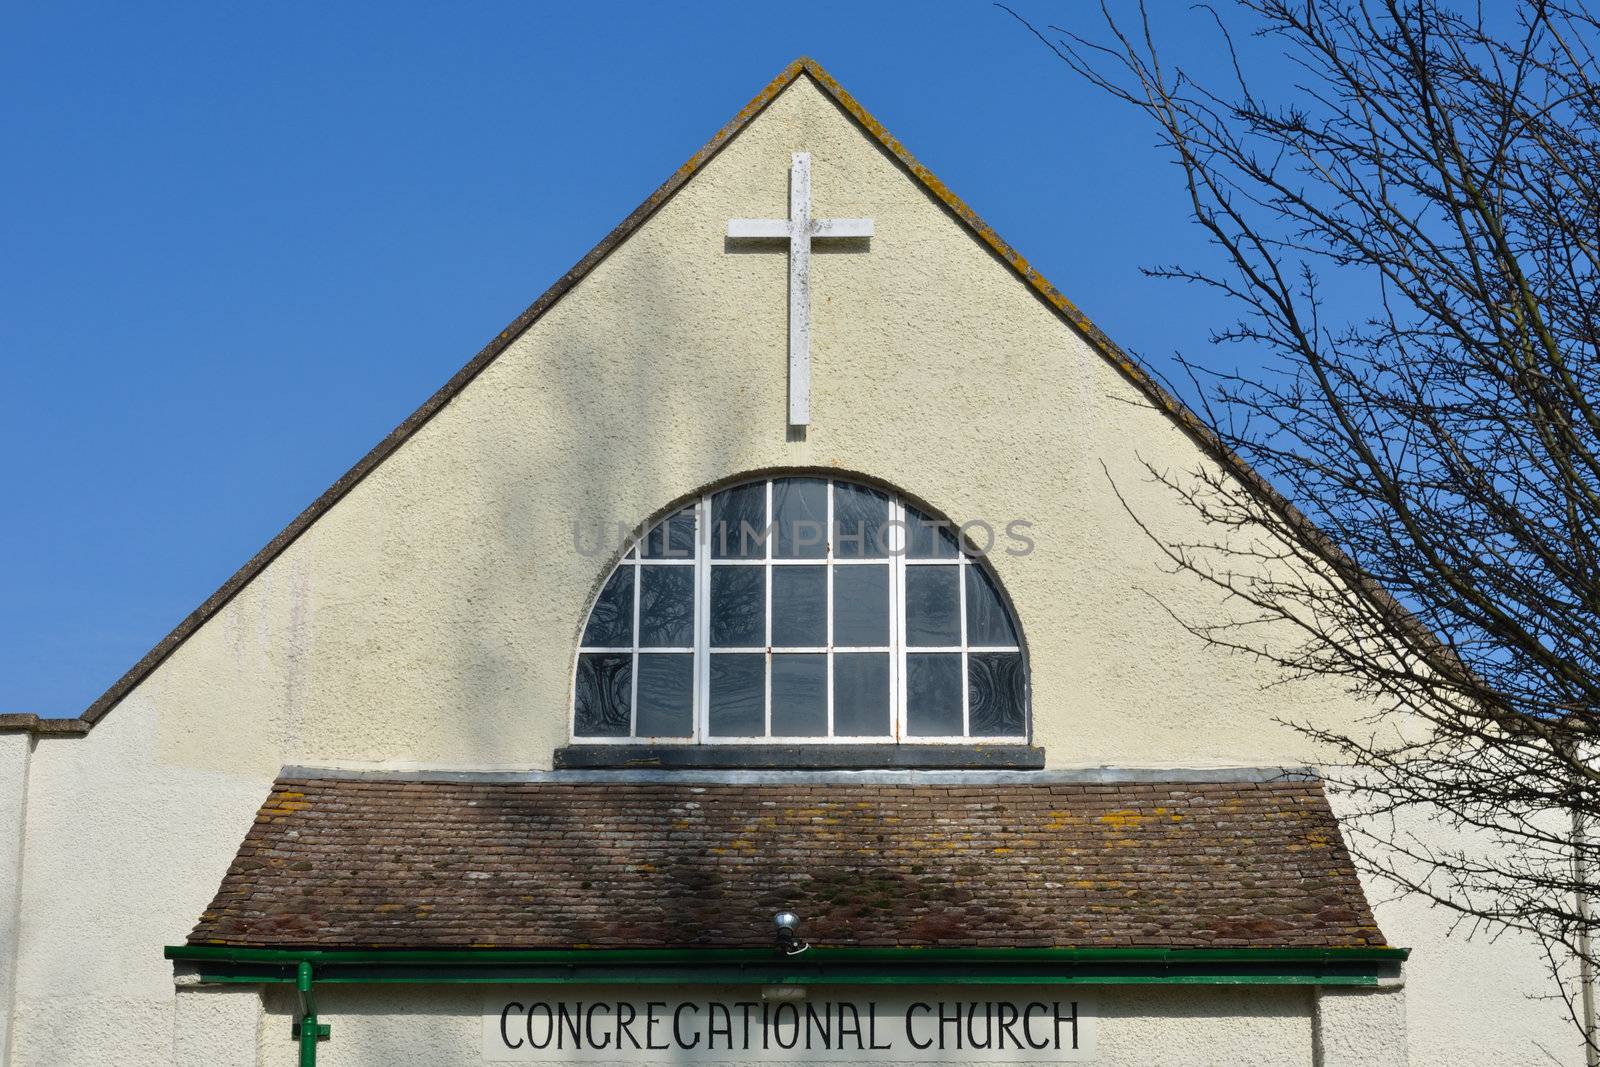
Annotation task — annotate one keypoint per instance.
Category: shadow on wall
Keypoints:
(583, 476)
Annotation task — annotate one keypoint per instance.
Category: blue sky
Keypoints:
(242, 242)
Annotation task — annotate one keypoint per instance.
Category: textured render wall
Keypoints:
(124, 851)
(15, 750)
(221, 1026)
(1138, 1026)
(430, 617)
(1360, 1028)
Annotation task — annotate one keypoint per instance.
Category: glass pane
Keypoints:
(861, 605)
(800, 512)
(666, 607)
(673, 538)
(666, 695)
(933, 694)
(799, 695)
(799, 606)
(996, 694)
(602, 694)
(860, 522)
(988, 621)
(738, 695)
(861, 694)
(933, 605)
(739, 522)
(738, 607)
(611, 621)
(928, 538)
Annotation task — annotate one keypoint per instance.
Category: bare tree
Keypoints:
(1440, 427)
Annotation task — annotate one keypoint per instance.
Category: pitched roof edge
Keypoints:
(25, 722)
(1097, 338)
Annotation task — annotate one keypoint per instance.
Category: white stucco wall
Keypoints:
(15, 750)
(430, 617)
(124, 853)
(221, 1026)
(1360, 1027)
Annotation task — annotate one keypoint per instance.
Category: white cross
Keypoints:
(801, 229)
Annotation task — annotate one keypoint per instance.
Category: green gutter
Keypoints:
(907, 954)
(820, 966)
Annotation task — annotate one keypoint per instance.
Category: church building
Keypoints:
(751, 655)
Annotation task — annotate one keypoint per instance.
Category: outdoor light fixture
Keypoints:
(788, 924)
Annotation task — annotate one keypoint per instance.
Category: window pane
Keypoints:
(739, 522)
(602, 694)
(738, 607)
(932, 606)
(673, 538)
(666, 695)
(777, 586)
(933, 694)
(860, 522)
(861, 605)
(928, 538)
(799, 606)
(861, 694)
(988, 622)
(800, 511)
(611, 621)
(799, 695)
(666, 607)
(738, 695)
(996, 694)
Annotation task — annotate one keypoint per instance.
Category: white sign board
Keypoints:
(558, 1024)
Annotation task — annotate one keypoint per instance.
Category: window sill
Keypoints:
(868, 756)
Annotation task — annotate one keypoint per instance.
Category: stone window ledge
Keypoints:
(803, 757)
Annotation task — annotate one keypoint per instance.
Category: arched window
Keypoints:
(800, 609)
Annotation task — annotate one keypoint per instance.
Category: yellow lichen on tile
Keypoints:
(1125, 819)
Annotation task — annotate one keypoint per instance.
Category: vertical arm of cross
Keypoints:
(800, 290)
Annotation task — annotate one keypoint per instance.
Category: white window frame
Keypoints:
(897, 649)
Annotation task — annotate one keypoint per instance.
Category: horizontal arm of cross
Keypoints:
(841, 227)
(780, 228)
(758, 228)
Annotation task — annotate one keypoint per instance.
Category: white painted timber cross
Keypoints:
(800, 229)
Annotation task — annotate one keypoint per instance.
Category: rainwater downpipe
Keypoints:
(1580, 881)
(308, 1031)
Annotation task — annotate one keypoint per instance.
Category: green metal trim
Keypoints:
(837, 966)
(904, 955)
(728, 977)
